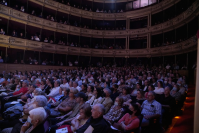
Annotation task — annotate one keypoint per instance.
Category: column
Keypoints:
(39, 59)
(175, 59)
(24, 55)
(25, 32)
(128, 23)
(53, 59)
(126, 46)
(187, 30)
(163, 61)
(128, 42)
(187, 60)
(148, 40)
(7, 27)
(66, 60)
(27, 6)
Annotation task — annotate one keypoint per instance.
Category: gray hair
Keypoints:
(108, 90)
(41, 101)
(26, 82)
(152, 92)
(167, 87)
(101, 108)
(38, 90)
(38, 114)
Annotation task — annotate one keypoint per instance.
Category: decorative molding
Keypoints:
(50, 25)
(144, 11)
(182, 47)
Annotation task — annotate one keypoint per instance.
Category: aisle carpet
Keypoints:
(185, 122)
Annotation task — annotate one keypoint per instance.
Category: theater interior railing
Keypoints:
(107, 16)
(27, 67)
(25, 18)
(174, 49)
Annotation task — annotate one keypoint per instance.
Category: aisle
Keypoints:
(184, 123)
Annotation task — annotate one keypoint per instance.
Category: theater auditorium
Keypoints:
(99, 66)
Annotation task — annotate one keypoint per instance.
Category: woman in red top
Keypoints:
(129, 121)
(150, 88)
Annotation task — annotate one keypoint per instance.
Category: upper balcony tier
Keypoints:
(28, 19)
(145, 11)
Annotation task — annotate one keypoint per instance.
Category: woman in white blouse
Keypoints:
(97, 98)
(159, 89)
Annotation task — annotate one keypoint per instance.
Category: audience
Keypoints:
(91, 97)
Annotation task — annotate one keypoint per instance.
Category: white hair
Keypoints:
(38, 90)
(41, 101)
(101, 108)
(38, 114)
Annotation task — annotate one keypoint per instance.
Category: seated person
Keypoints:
(129, 121)
(107, 101)
(55, 91)
(69, 103)
(150, 88)
(114, 93)
(30, 92)
(150, 109)
(168, 104)
(97, 98)
(34, 123)
(96, 123)
(125, 94)
(81, 118)
(139, 99)
(89, 92)
(58, 121)
(115, 111)
(175, 93)
(159, 89)
(39, 101)
(66, 95)
(14, 96)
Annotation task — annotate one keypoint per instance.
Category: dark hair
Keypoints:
(126, 89)
(84, 85)
(141, 92)
(91, 87)
(99, 92)
(121, 100)
(136, 108)
(44, 81)
(161, 83)
(115, 86)
(152, 87)
(87, 110)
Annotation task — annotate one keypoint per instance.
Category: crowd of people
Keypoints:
(104, 99)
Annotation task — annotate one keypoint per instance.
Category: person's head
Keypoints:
(166, 81)
(151, 96)
(60, 90)
(40, 101)
(125, 91)
(90, 88)
(134, 109)
(43, 82)
(84, 87)
(159, 76)
(85, 111)
(167, 90)
(56, 83)
(160, 84)
(36, 92)
(151, 88)
(107, 92)
(140, 93)
(98, 111)
(72, 92)
(75, 84)
(80, 97)
(25, 83)
(65, 91)
(138, 86)
(97, 92)
(146, 82)
(176, 88)
(37, 116)
(65, 80)
(115, 86)
(119, 101)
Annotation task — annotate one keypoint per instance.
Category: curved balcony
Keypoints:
(107, 16)
(21, 17)
(178, 48)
